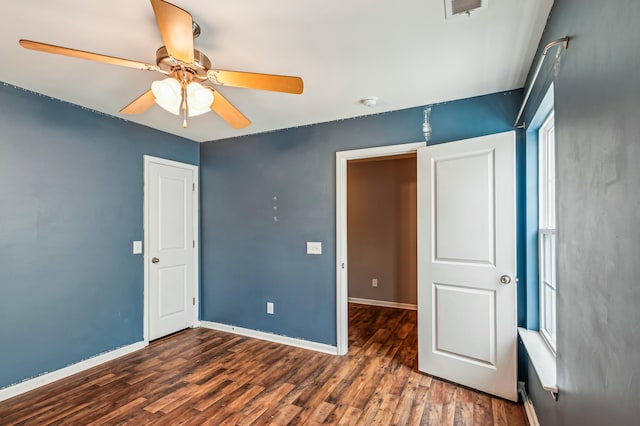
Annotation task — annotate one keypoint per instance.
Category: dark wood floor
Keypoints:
(202, 376)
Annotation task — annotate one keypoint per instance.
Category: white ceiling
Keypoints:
(402, 51)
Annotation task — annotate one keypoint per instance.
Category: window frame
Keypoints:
(547, 230)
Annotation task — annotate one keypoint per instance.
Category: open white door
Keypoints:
(170, 256)
(466, 263)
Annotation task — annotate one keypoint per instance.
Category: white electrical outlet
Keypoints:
(270, 307)
(374, 282)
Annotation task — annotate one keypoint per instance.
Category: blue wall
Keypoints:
(249, 259)
(597, 104)
(71, 198)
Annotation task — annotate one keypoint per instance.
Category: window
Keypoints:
(547, 230)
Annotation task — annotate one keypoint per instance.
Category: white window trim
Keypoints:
(540, 356)
(542, 359)
(546, 335)
(547, 226)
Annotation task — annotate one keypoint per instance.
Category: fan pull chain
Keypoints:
(184, 105)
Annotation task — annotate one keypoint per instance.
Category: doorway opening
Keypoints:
(378, 244)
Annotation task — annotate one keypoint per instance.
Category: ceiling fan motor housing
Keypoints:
(199, 67)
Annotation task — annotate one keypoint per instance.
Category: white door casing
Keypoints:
(466, 242)
(342, 264)
(171, 268)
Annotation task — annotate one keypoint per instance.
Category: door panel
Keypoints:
(172, 205)
(172, 291)
(463, 226)
(171, 248)
(464, 323)
(466, 241)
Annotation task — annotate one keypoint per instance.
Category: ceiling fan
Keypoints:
(185, 69)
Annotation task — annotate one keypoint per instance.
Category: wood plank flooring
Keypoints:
(207, 377)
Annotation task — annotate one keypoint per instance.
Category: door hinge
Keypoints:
(194, 301)
(194, 243)
(342, 265)
(193, 187)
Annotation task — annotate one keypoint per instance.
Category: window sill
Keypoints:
(543, 360)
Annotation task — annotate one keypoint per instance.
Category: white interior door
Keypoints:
(171, 252)
(466, 263)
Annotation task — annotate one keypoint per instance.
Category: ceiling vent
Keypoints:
(456, 8)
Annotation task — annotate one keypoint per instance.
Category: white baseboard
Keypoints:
(299, 343)
(383, 303)
(529, 409)
(46, 378)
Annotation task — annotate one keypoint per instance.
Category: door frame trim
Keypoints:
(148, 160)
(342, 306)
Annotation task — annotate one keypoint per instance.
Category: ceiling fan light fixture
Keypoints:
(199, 99)
(168, 94)
(180, 63)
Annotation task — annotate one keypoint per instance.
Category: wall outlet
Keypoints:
(374, 282)
(270, 307)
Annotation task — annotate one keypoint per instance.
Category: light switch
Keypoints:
(314, 247)
(137, 247)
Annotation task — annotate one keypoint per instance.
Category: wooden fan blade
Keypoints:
(176, 28)
(58, 50)
(140, 104)
(228, 112)
(275, 83)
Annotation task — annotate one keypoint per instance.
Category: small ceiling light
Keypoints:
(426, 125)
(370, 101)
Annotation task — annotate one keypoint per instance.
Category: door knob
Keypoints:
(155, 260)
(505, 279)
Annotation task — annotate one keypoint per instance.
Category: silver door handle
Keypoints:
(505, 279)
(155, 260)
